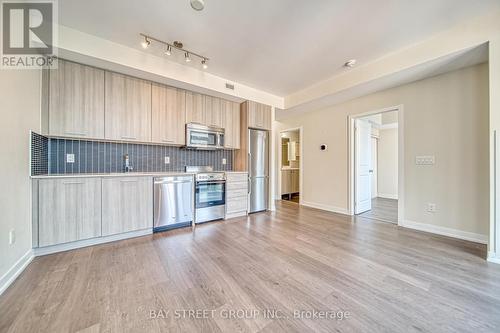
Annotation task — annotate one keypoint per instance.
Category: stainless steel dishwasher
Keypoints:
(173, 202)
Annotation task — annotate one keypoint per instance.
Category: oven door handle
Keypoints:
(203, 182)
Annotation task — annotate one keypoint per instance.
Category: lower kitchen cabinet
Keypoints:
(236, 194)
(126, 204)
(69, 210)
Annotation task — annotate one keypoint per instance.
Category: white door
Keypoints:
(374, 173)
(363, 145)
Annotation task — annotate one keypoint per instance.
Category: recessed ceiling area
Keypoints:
(278, 46)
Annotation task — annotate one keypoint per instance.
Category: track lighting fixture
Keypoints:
(168, 51)
(145, 43)
(171, 47)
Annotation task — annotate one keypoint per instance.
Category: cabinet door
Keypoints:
(213, 109)
(169, 115)
(128, 108)
(76, 101)
(195, 108)
(68, 210)
(286, 182)
(295, 181)
(127, 204)
(231, 115)
(259, 115)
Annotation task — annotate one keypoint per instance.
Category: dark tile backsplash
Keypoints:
(39, 154)
(108, 157)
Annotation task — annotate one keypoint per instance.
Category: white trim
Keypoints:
(388, 126)
(328, 208)
(388, 196)
(41, 251)
(492, 257)
(443, 231)
(350, 124)
(16, 269)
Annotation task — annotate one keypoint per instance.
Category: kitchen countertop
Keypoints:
(122, 174)
(284, 169)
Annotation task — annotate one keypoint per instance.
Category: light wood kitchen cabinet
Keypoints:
(214, 111)
(259, 115)
(127, 108)
(195, 108)
(169, 115)
(68, 210)
(236, 194)
(76, 101)
(231, 115)
(127, 204)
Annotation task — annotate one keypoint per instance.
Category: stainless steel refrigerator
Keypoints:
(258, 170)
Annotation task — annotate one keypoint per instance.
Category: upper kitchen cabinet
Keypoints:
(169, 115)
(259, 115)
(195, 108)
(231, 115)
(127, 108)
(213, 111)
(76, 101)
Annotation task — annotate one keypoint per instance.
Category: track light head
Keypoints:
(145, 43)
(168, 51)
(187, 57)
(204, 64)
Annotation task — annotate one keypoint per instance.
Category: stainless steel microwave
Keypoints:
(204, 137)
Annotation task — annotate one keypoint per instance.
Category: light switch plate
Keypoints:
(425, 160)
(224, 161)
(167, 159)
(70, 158)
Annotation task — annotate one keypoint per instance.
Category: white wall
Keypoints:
(445, 116)
(20, 113)
(388, 163)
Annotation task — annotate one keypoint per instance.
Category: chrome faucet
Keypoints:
(128, 168)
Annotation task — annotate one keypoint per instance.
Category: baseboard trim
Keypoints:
(234, 215)
(41, 251)
(443, 231)
(328, 208)
(492, 257)
(8, 278)
(388, 196)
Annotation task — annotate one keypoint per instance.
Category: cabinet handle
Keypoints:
(129, 137)
(163, 140)
(128, 181)
(75, 133)
(73, 183)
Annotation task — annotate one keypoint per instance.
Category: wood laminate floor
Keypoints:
(389, 279)
(385, 210)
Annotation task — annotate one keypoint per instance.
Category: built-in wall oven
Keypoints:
(210, 194)
(204, 137)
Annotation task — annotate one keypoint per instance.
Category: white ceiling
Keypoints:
(279, 46)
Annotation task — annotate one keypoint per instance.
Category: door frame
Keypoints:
(301, 161)
(351, 163)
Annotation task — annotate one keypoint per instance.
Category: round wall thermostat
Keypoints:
(323, 147)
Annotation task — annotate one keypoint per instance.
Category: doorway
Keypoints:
(375, 165)
(290, 165)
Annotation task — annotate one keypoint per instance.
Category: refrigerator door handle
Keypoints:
(249, 186)
(249, 164)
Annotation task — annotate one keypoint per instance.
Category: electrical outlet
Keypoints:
(70, 158)
(167, 159)
(224, 161)
(12, 236)
(431, 207)
(425, 160)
